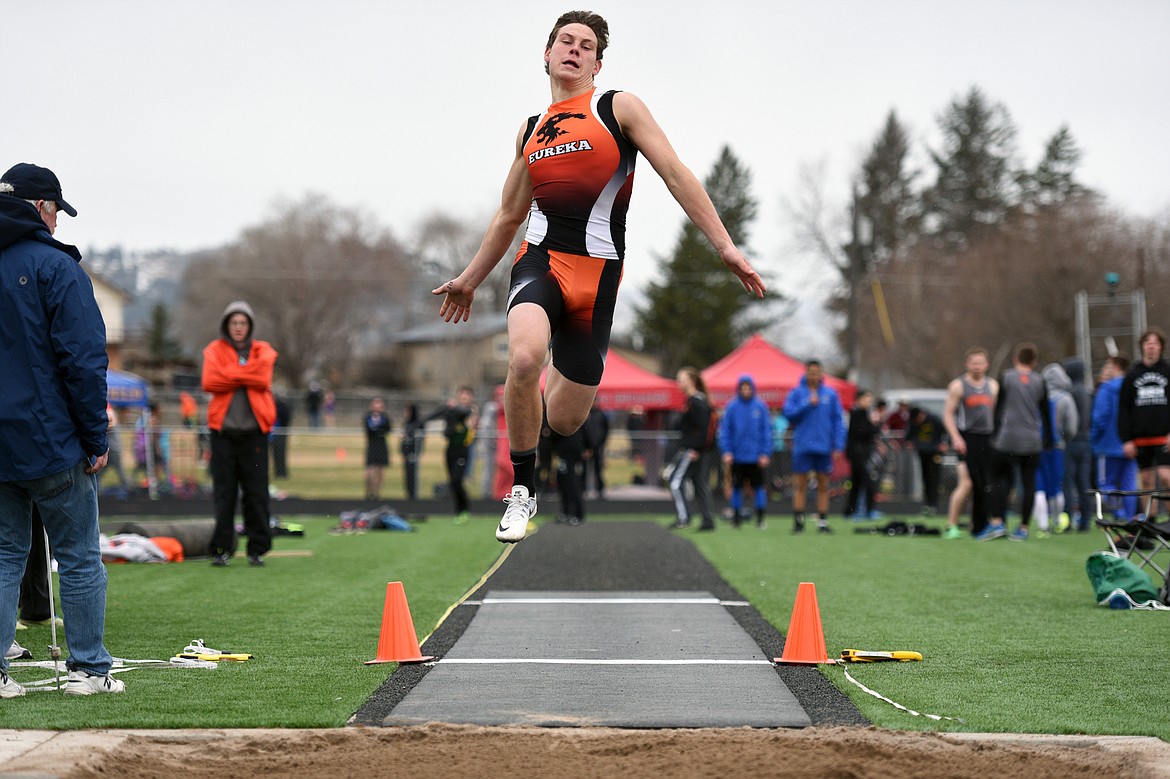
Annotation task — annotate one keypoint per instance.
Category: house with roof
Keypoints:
(112, 301)
(438, 357)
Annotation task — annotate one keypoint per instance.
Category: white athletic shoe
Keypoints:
(17, 652)
(82, 683)
(521, 508)
(9, 688)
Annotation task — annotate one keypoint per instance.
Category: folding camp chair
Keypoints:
(1138, 540)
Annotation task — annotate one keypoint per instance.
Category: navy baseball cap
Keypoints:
(32, 182)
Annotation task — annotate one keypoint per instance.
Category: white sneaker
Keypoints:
(521, 508)
(82, 683)
(9, 688)
(17, 652)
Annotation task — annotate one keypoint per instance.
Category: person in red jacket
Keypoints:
(237, 371)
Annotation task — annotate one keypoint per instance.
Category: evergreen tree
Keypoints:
(975, 183)
(163, 348)
(886, 197)
(1053, 182)
(693, 314)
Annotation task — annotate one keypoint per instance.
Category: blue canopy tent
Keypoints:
(128, 390)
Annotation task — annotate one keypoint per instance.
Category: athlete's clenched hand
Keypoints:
(457, 299)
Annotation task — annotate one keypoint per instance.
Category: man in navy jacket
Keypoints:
(53, 421)
(818, 434)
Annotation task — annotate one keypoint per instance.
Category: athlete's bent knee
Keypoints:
(526, 363)
(566, 422)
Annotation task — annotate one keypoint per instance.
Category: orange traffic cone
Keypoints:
(397, 643)
(805, 642)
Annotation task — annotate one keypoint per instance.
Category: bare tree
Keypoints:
(320, 277)
(445, 244)
(1010, 285)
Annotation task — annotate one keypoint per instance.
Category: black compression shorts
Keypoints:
(578, 294)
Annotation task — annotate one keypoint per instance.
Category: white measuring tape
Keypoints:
(895, 704)
(120, 665)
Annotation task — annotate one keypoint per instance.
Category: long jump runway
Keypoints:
(606, 624)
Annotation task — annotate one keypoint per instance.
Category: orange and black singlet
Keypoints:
(570, 264)
(582, 171)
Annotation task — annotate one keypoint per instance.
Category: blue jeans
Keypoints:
(68, 507)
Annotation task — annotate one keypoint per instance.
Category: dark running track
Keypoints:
(614, 557)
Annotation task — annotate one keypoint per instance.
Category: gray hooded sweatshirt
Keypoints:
(1065, 418)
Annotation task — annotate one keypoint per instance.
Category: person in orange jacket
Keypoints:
(237, 371)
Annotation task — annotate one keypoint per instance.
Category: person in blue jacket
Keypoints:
(53, 423)
(1115, 471)
(818, 434)
(745, 438)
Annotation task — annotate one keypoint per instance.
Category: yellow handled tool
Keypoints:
(216, 657)
(859, 656)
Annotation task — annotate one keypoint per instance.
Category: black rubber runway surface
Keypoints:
(599, 624)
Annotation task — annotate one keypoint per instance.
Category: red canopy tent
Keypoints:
(774, 372)
(625, 385)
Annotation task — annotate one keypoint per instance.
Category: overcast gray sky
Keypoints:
(178, 124)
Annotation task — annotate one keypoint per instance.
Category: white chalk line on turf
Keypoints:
(586, 661)
(896, 705)
(605, 602)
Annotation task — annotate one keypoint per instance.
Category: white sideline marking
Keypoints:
(569, 661)
(607, 601)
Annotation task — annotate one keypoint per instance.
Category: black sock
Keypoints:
(524, 470)
(799, 517)
(822, 520)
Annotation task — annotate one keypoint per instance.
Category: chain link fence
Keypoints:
(329, 463)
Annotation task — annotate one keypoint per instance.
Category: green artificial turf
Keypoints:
(309, 621)
(1011, 637)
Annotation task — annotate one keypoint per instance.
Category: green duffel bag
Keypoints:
(1109, 573)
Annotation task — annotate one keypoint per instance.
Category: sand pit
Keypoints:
(452, 752)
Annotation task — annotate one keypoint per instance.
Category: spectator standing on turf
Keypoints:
(745, 438)
(596, 434)
(570, 475)
(1023, 429)
(53, 423)
(926, 435)
(237, 371)
(329, 409)
(780, 469)
(818, 435)
(1048, 510)
(969, 417)
(411, 447)
(151, 447)
(377, 426)
(486, 439)
(696, 452)
(115, 460)
(314, 398)
(459, 417)
(571, 177)
(188, 409)
(1078, 451)
(1114, 470)
(1143, 412)
(859, 444)
(281, 431)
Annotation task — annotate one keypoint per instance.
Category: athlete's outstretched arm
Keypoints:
(514, 204)
(640, 127)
